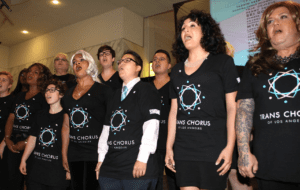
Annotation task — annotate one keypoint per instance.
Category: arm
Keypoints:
(247, 162)
(102, 148)
(147, 147)
(8, 132)
(2, 146)
(28, 150)
(170, 163)
(226, 153)
(65, 132)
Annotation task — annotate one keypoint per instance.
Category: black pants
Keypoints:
(83, 175)
(4, 171)
(15, 180)
(170, 175)
(37, 186)
(276, 185)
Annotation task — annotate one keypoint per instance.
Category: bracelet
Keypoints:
(26, 141)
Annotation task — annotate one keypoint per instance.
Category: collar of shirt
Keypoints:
(131, 84)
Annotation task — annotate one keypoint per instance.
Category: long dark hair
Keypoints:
(44, 75)
(263, 62)
(212, 41)
(19, 86)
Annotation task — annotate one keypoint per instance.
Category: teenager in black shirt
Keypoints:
(45, 170)
(21, 84)
(61, 67)
(85, 107)
(6, 100)
(129, 137)
(109, 76)
(25, 106)
(202, 88)
(268, 100)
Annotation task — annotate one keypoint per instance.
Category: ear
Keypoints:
(113, 59)
(60, 96)
(169, 66)
(9, 86)
(138, 68)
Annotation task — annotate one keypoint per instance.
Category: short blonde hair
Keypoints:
(92, 70)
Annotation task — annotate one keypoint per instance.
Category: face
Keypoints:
(106, 59)
(23, 77)
(191, 34)
(33, 75)
(160, 63)
(129, 70)
(4, 83)
(80, 66)
(61, 62)
(52, 94)
(282, 30)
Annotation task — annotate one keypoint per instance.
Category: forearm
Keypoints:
(172, 125)
(28, 148)
(65, 132)
(231, 113)
(244, 123)
(9, 126)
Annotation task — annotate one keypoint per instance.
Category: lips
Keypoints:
(278, 31)
(187, 37)
(157, 65)
(78, 68)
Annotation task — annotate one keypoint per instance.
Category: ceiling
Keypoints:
(40, 16)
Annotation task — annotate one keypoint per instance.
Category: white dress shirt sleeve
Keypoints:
(149, 140)
(102, 144)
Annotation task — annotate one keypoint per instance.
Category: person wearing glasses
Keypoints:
(108, 76)
(61, 67)
(26, 105)
(85, 105)
(161, 64)
(127, 145)
(45, 170)
(6, 100)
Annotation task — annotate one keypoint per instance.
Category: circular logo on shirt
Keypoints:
(47, 137)
(117, 120)
(189, 97)
(22, 112)
(79, 117)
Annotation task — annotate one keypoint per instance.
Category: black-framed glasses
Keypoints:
(57, 59)
(159, 59)
(126, 60)
(106, 53)
(51, 90)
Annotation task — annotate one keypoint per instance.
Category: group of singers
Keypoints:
(114, 130)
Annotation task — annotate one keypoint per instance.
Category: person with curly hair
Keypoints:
(268, 100)
(85, 105)
(21, 85)
(45, 170)
(25, 106)
(203, 87)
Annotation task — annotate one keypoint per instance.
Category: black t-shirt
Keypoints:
(69, 79)
(5, 107)
(126, 119)
(201, 132)
(86, 118)
(115, 82)
(46, 160)
(164, 113)
(276, 121)
(25, 110)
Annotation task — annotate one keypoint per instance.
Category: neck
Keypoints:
(162, 77)
(33, 89)
(85, 81)
(128, 80)
(4, 94)
(55, 108)
(196, 54)
(108, 70)
(61, 72)
(287, 52)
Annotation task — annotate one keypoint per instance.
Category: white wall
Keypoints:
(4, 54)
(119, 23)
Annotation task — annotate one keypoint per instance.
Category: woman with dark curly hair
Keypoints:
(46, 170)
(202, 90)
(19, 122)
(21, 83)
(268, 99)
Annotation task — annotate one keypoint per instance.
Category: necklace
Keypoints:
(284, 60)
(188, 64)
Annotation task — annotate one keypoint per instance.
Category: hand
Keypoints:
(248, 165)
(23, 168)
(139, 169)
(10, 145)
(2, 146)
(169, 160)
(19, 146)
(98, 169)
(65, 163)
(68, 176)
(225, 155)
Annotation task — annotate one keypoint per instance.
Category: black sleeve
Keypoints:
(149, 102)
(108, 104)
(172, 91)
(33, 131)
(230, 76)
(245, 90)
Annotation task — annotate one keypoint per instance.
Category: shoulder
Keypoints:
(146, 88)
(220, 58)
(147, 79)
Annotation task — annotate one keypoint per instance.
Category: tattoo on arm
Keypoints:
(244, 123)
